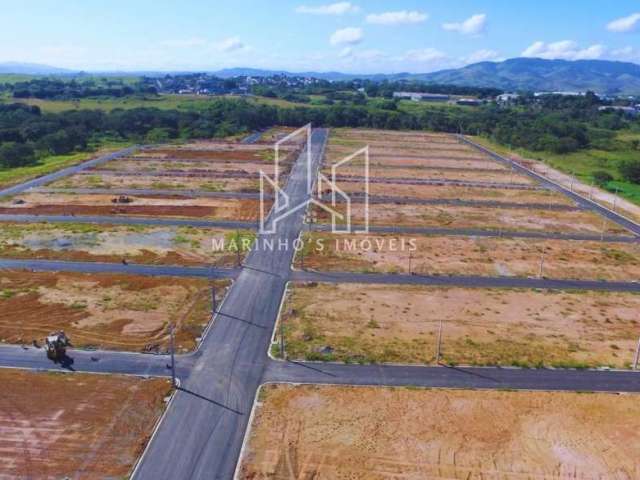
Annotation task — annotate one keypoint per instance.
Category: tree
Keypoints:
(630, 170)
(16, 155)
(602, 178)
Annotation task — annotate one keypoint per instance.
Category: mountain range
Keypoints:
(532, 74)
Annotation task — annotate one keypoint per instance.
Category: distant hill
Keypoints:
(533, 74)
(537, 74)
(31, 69)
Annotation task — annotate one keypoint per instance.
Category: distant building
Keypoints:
(507, 98)
(564, 94)
(469, 101)
(424, 97)
(631, 111)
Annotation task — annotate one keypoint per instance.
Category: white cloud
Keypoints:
(424, 55)
(397, 18)
(339, 8)
(368, 55)
(346, 52)
(474, 25)
(230, 44)
(483, 55)
(624, 24)
(346, 36)
(565, 49)
(628, 54)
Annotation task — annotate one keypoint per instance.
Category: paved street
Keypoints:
(203, 430)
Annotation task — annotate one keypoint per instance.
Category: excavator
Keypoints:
(56, 345)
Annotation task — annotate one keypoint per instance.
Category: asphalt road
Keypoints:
(580, 200)
(382, 199)
(202, 433)
(453, 377)
(39, 265)
(475, 232)
(99, 361)
(252, 265)
(52, 177)
(252, 138)
(124, 220)
(462, 281)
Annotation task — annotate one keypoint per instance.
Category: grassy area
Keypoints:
(584, 163)
(50, 164)
(164, 102)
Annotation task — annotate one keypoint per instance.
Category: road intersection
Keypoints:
(202, 432)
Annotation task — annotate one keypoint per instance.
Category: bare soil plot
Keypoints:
(197, 181)
(107, 311)
(158, 205)
(472, 217)
(394, 135)
(274, 134)
(336, 154)
(383, 323)
(152, 166)
(113, 243)
(501, 176)
(459, 193)
(329, 432)
(452, 255)
(97, 427)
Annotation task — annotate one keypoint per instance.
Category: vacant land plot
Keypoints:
(108, 311)
(159, 166)
(97, 427)
(149, 205)
(105, 243)
(448, 192)
(501, 176)
(382, 323)
(323, 432)
(181, 181)
(513, 219)
(452, 255)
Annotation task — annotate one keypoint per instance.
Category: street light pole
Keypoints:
(541, 265)
(409, 263)
(173, 360)
(282, 352)
(637, 356)
(439, 344)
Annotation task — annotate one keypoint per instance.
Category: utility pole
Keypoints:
(238, 262)
(409, 263)
(214, 304)
(540, 270)
(615, 199)
(637, 356)
(591, 192)
(173, 360)
(282, 352)
(439, 344)
(571, 184)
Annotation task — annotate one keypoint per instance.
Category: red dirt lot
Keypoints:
(56, 425)
(312, 432)
(106, 311)
(458, 193)
(180, 206)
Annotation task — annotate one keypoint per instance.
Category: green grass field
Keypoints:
(50, 164)
(584, 163)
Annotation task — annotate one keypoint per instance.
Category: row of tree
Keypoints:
(27, 134)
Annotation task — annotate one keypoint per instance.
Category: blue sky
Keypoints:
(357, 36)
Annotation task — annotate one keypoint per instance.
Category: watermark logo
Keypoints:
(320, 192)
